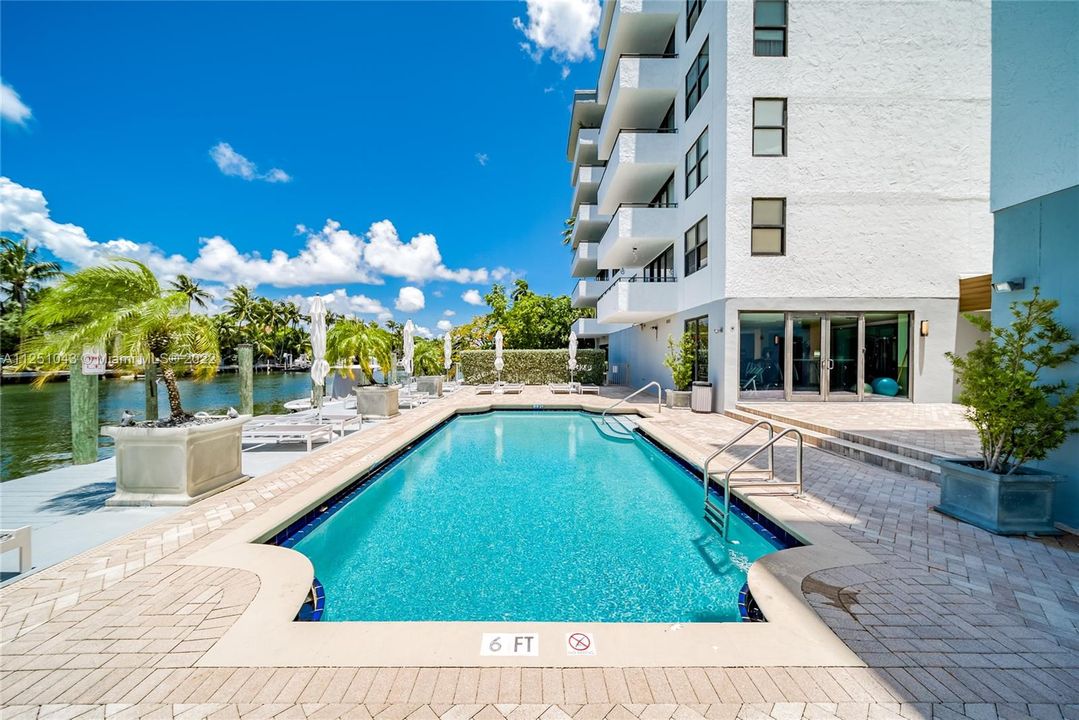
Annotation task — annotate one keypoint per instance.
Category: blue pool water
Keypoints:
(530, 516)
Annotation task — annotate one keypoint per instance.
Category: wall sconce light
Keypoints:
(923, 328)
(1010, 285)
(655, 329)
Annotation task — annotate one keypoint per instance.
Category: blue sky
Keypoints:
(164, 131)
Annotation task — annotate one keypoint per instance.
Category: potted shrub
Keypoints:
(679, 360)
(121, 307)
(1019, 418)
(351, 340)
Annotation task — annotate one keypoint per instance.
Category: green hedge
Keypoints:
(534, 367)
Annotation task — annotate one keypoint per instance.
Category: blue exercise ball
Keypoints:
(885, 386)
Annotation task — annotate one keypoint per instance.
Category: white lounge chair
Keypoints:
(17, 539)
(514, 388)
(486, 389)
(583, 389)
(288, 432)
(560, 388)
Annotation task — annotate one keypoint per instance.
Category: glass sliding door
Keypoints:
(805, 356)
(844, 357)
(761, 355)
(887, 355)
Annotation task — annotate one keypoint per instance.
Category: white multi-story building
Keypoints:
(800, 184)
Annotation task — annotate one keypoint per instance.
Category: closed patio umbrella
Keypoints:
(319, 367)
(410, 346)
(499, 362)
(572, 354)
(447, 351)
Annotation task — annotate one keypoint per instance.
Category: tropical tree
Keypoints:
(188, 286)
(240, 305)
(123, 308)
(567, 231)
(351, 340)
(22, 272)
(427, 357)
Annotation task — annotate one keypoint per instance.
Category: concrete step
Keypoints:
(889, 456)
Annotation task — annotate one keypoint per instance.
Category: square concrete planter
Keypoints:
(377, 400)
(678, 398)
(431, 384)
(176, 466)
(1014, 504)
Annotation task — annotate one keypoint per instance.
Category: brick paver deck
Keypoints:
(953, 622)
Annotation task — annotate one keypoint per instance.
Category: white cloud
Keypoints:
(472, 297)
(565, 71)
(12, 108)
(437, 293)
(548, 90)
(482, 158)
(564, 27)
(341, 302)
(423, 332)
(501, 272)
(444, 325)
(448, 313)
(329, 256)
(233, 163)
(410, 299)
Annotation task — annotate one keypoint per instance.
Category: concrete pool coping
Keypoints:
(265, 634)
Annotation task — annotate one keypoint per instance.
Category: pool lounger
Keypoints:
(593, 389)
(560, 388)
(17, 539)
(514, 388)
(286, 432)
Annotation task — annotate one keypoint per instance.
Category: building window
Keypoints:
(698, 330)
(770, 28)
(697, 163)
(697, 79)
(665, 196)
(769, 226)
(697, 247)
(769, 126)
(693, 12)
(662, 268)
(668, 119)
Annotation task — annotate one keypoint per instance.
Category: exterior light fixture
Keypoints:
(1010, 285)
(923, 328)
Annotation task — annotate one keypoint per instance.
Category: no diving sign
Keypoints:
(580, 643)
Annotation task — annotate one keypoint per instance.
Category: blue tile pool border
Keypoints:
(299, 528)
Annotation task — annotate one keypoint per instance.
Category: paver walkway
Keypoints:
(953, 622)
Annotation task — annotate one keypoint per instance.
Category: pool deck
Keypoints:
(944, 619)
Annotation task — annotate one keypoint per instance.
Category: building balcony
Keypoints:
(587, 187)
(584, 260)
(636, 234)
(587, 152)
(593, 328)
(637, 300)
(634, 26)
(585, 113)
(589, 225)
(642, 92)
(642, 161)
(586, 292)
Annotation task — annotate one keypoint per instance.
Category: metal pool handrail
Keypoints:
(638, 391)
(739, 436)
(727, 476)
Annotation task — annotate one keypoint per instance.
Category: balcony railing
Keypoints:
(645, 205)
(640, 279)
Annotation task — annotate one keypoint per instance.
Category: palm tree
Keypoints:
(240, 305)
(427, 357)
(123, 308)
(349, 338)
(190, 287)
(567, 231)
(21, 272)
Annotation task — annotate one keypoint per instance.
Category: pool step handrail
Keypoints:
(638, 391)
(717, 516)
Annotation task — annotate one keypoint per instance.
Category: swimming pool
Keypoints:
(528, 516)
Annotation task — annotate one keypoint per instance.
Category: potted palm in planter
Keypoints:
(123, 308)
(679, 360)
(351, 340)
(1019, 418)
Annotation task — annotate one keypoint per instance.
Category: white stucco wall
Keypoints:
(887, 170)
(1035, 85)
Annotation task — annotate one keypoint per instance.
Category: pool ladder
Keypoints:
(622, 427)
(717, 515)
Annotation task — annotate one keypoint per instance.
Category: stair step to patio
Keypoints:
(915, 462)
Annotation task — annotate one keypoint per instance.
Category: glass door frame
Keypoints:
(826, 362)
